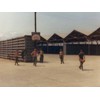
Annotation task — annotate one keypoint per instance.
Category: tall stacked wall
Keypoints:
(8, 48)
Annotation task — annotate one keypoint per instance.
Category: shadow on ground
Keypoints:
(88, 69)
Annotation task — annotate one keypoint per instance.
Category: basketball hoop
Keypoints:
(36, 36)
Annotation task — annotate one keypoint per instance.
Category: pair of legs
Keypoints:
(34, 61)
(81, 65)
(41, 58)
(16, 61)
(62, 60)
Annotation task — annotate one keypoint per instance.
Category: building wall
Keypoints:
(74, 49)
(8, 48)
(89, 49)
(29, 46)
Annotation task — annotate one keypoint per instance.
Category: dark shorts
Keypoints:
(61, 57)
(16, 59)
(34, 59)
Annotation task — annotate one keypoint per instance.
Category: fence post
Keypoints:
(64, 48)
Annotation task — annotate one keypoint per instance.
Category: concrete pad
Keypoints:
(51, 73)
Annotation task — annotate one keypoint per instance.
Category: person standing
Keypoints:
(41, 56)
(24, 54)
(61, 56)
(16, 57)
(34, 55)
(81, 59)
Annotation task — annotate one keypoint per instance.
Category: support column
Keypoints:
(35, 22)
(64, 48)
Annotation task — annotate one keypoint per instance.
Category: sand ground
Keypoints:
(51, 73)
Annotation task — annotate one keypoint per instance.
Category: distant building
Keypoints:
(75, 41)
(71, 44)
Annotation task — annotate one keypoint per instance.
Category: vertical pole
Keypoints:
(35, 21)
(47, 48)
(89, 48)
(97, 47)
(64, 48)
(35, 42)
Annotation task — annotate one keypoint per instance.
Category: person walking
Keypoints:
(34, 55)
(16, 57)
(81, 59)
(61, 56)
(41, 56)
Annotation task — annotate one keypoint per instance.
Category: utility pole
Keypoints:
(35, 21)
(35, 35)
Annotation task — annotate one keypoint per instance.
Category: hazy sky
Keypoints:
(14, 24)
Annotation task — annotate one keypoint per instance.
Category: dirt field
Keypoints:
(51, 73)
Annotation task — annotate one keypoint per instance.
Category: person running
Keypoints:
(41, 56)
(81, 59)
(16, 57)
(61, 56)
(34, 55)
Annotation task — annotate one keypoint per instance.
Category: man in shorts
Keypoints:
(34, 54)
(16, 57)
(61, 56)
(41, 56)
(81, 59)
